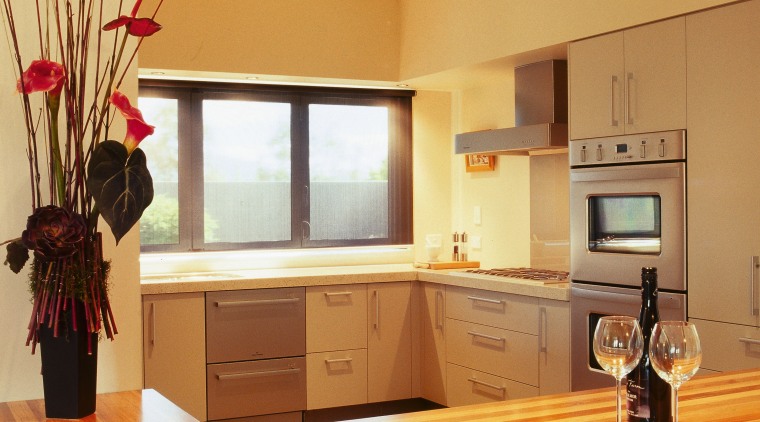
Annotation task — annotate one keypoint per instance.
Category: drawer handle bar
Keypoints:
(483, 299)
(485, 384)
(238, 303)
(494, 338)
(754, 306)
(257, 374)
(329, 361)
(329, 294)
(749, 340)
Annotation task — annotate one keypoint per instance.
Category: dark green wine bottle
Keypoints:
(647, 395)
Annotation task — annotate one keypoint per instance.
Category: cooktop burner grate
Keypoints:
(524, 273)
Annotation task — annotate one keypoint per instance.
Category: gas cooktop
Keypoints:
(525, 273)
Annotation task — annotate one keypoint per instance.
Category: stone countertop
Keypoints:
(320, 276)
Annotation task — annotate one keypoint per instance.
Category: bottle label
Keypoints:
(637, 395)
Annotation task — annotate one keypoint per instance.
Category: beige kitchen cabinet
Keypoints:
(336, 345)
(174, 349)
(468, 386)
(389, 341)
(553, 346)
(630, 81)
(433, 343)
(723, 46)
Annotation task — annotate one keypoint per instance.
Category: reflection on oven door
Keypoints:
(588, 303)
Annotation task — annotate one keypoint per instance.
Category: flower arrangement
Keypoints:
(69, 96)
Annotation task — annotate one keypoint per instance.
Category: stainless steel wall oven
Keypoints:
(627, 211)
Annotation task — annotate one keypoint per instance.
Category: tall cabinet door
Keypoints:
(655, 77)
(723, 155)
(174, 346)
(433, 365)
(389, 341)
(596, 71)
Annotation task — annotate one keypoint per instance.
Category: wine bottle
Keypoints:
(647, 395)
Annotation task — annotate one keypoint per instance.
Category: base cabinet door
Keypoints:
(553, 346)
(728, 347)
(433, 362)
(389, 341)
(174, 349)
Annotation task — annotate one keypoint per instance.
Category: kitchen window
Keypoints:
(244, 166)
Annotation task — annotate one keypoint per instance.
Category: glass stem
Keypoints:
(617, 402)
(674, 405)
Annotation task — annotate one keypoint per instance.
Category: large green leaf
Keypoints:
(121, 185)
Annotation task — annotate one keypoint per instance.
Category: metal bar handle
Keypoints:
(330, 294)
(628, 95)
(486, 384)
(340, 360)
(377, 309)
(613, 81)
(153, 323)
(542, 335)
(483, 299)
(749, 340)
(239, 303)
(494, 338)
(754, 289)
(257, 374)
(438, 309)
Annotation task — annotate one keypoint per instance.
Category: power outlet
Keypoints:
(476, 215)
(475, 242)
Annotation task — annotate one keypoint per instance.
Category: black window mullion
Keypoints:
(196, 217)
(299, 175)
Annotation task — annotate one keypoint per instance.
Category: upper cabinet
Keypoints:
(630, 81)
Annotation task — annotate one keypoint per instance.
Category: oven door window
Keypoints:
(628, 224)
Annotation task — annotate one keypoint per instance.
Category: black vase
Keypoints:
(69, 372)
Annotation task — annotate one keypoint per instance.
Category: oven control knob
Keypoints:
(662, 148)
(599, 152)
(583, 154)
(643, 150)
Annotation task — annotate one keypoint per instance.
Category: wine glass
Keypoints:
(618, 347)
(675, 353)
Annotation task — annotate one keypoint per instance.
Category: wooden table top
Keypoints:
(145, 405)
(729, 396)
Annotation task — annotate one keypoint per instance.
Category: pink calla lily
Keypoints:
(42, 76)
(138, 27)
(137, 129)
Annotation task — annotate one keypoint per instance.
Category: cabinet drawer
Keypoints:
(728, 347)
(256, 387)
(465, 386)
(503, 310)
(336, 378)
(255, 324)
(505, 353)
(336, 318)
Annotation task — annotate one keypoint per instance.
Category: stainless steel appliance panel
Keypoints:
(255, 324)
(256, 387)
(588, 303)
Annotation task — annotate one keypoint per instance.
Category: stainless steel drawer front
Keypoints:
(255, 324)
(256, 387)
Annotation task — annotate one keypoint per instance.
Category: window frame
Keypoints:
(190, 161)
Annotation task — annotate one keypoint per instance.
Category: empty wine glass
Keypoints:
(618, 347)
(675, 353)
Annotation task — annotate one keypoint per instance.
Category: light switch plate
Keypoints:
(475, 242)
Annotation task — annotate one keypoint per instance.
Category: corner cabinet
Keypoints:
(174, 351)
(723, 46)
(630, 81)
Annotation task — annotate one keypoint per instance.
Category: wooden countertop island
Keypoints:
(729, 396)
(145, 405)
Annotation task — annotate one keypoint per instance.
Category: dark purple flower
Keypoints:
(53, 232)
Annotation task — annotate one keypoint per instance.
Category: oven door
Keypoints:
(588, 303)
(623, 218)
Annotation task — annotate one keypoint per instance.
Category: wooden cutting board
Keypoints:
(447, 265)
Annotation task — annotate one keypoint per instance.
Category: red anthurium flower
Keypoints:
(139, 27)
(43, 76)
(137, 129)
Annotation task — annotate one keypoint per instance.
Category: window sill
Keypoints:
(193, 262)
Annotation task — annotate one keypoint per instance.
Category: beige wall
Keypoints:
(120, 361)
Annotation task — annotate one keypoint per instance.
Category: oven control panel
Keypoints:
(638, 148)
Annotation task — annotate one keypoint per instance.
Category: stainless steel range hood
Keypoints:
(540, 115)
